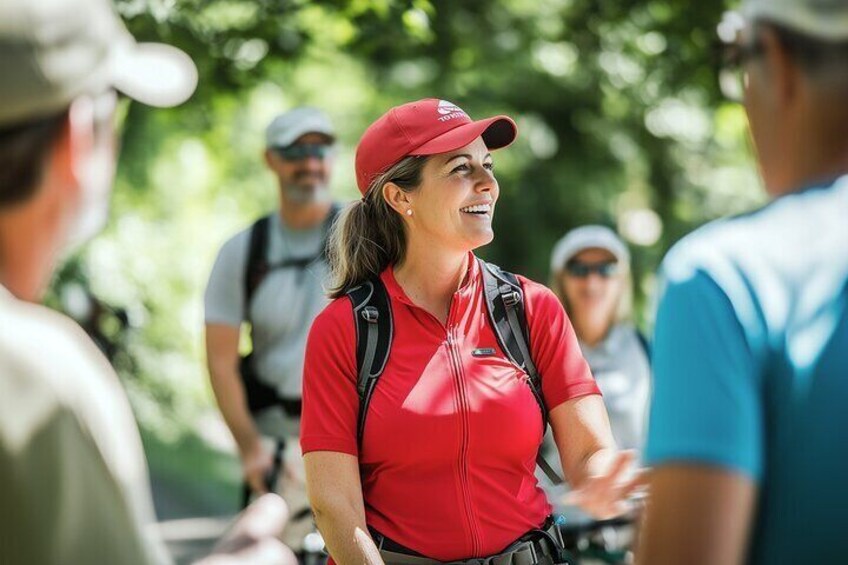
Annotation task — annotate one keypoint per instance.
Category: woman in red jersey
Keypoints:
(445, 468)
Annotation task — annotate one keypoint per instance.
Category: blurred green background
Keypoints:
(620, 119)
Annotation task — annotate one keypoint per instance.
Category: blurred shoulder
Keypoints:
(48, 367)
(788, 235)
(239, 241)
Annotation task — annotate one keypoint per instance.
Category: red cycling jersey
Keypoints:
(451, 436)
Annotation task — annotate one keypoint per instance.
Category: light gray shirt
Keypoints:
(622, 370)
(283, 306)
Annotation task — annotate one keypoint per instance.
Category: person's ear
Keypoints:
(783, 72)
(68, 159)
(398, 199)
(270, 158)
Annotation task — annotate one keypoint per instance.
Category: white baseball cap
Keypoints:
(286, 128)
(53, 51)
(823, 19)
(588, 237)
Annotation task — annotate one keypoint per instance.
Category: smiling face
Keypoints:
(454, 205)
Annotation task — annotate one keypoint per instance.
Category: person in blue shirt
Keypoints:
(748, 432)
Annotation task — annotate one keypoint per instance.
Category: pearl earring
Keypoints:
(409, 212)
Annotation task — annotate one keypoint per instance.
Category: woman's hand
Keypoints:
(610, 485)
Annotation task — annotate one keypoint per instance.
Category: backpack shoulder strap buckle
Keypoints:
(374, 331)
(370, 314)
(510, 296)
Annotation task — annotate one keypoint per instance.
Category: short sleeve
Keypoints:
(330, 399)
(706, 407)
(556, 352)
(224, 298)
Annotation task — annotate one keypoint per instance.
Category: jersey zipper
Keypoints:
(456, 369)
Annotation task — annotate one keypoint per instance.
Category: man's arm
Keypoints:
(697, 515)
(222, 358)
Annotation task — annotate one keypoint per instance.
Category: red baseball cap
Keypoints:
(424, 127)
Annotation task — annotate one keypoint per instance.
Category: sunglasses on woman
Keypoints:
(580, 270)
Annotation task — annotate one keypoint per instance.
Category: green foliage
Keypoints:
(620, 123)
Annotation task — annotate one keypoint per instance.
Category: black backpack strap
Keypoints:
(372, 315)
(259, 394)
(301, 263)
(505, 304)
(257, 260)
(646, 345)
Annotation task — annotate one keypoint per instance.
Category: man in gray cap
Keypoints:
(749, 420)
(73, 480)
(271, 275)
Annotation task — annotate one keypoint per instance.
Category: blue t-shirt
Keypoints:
(750, 365)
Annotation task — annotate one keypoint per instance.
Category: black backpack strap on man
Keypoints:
(374, 332)
(646, 345)
(258, 267)
(259, 394)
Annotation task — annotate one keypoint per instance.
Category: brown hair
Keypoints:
(23, 151)
(369, 235)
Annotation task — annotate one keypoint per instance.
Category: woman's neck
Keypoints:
(430, 276)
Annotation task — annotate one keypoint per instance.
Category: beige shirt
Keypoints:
(73, 480)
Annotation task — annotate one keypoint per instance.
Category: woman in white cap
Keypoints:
(435, 460)
(590, 273)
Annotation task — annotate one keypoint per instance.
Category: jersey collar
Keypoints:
(469, 282)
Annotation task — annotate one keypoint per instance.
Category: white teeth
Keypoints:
(478, 209)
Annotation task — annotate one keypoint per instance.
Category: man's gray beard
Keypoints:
(300, 195)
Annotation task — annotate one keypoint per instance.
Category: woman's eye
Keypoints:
(461, 168)
(489, 166)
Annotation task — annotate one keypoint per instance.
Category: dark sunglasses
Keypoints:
(581, 270)
(301, 151)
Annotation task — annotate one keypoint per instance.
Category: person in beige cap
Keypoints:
(73, 479)
(748, 427)
(271, 275)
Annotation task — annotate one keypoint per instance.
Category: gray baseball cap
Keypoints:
(286, 128)
(53, 51)
(588, 237)
(824, 19)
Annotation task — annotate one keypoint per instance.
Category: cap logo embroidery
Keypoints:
(449, 111)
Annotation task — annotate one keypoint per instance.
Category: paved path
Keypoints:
(189, 524)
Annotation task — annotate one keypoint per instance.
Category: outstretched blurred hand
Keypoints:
(256, 464)
(608, 493)
(254, 536)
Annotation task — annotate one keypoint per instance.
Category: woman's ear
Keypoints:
(397, 198)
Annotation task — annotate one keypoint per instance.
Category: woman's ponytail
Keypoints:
(369, 235)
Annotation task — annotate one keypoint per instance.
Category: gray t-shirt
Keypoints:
(283, 306)
(622, 370)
